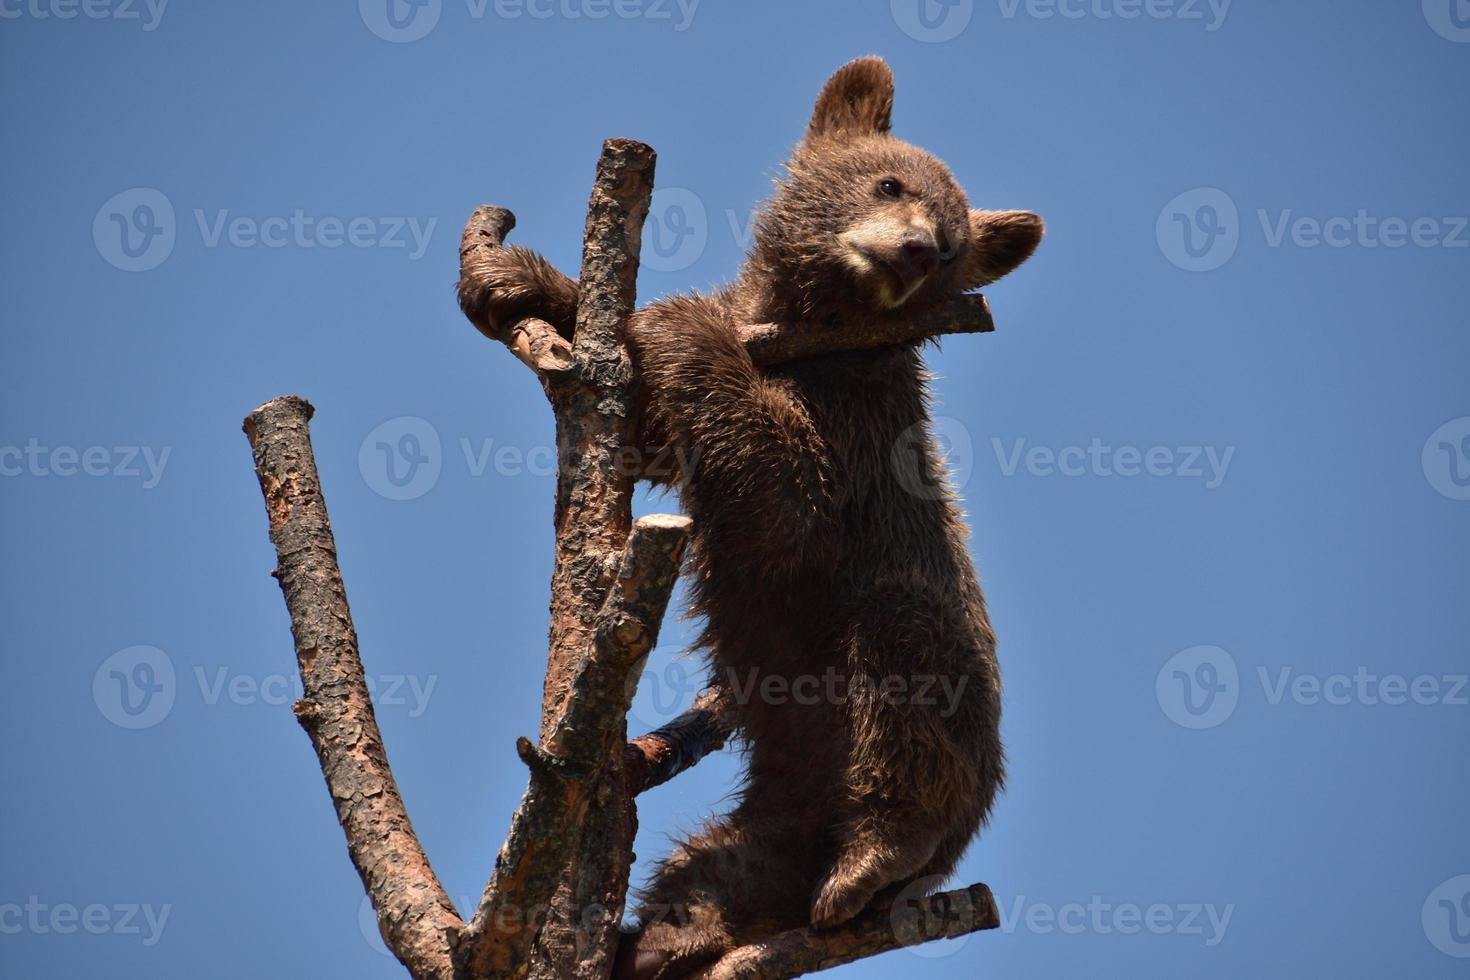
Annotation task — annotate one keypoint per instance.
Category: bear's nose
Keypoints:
(920, 253)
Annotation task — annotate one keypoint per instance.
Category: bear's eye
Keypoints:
(888, 187)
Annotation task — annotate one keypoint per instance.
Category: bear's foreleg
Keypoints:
(757, 478)
(515, 283)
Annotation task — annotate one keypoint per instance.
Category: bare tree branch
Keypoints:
(776, 343)
(541, 348)
(414, 913)
(590, 386)
(908, 922)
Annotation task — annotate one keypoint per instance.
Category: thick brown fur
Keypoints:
(827, 547)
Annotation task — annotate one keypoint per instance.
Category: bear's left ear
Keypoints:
(999, 241)
(857, 100)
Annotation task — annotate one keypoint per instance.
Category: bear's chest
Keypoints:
(869, 409)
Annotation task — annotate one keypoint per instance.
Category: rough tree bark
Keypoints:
(414, 913)
(554, 900)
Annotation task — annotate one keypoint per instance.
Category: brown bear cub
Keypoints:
(829, 561)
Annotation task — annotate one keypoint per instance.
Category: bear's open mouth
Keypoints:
(904, 281)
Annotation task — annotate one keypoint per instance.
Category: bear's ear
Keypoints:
(856, 101)
(999, 241)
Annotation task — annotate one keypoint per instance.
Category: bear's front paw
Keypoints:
(839, 899)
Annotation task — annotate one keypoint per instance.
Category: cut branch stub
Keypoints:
(566, 771)
(533, 341)
(777, 343)
(414, 913)
(484, 233)
(662, 754)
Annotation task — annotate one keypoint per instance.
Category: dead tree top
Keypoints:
(569, 844)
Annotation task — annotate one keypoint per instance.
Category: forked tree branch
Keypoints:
(570, 844)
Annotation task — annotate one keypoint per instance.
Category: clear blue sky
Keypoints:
(1215, 457)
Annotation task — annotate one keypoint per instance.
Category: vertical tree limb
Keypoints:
(414, 913)
(590, 389)
(567, 769)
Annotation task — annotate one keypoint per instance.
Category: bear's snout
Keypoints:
(918, 256)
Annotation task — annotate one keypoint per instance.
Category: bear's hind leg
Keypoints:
(872, 859)
(736, 883)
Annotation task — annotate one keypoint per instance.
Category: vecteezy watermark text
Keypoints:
(136, 230)
(1200, 687)
(137, 688)
(403, 458)
(1099, 917)
(936, 21)
(64, 919)
(1208, 464)
(124, 462)
(1210, 13)
(149, 13)
(403, 21)
(1201, 229)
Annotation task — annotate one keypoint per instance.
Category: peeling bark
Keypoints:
(414, 913)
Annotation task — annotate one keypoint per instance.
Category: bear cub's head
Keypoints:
(864, 224)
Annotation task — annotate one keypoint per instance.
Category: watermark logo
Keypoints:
(932, 21)
(66, 919)
(138, 687)
(1210, 13)
(1205, 921)
(676, 231)
(661, 693)
(145, 463)
(402, 458)
(367, 924)
(148, 12)
(1446, 917)
(1199, 687)
(410, 691)
(135, 687)
(1446, 459)
(400, 21)
(1208, 464)
(1199, 230)
(135, 230)
(915, 921)
(1449, 18)
(922, 475)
